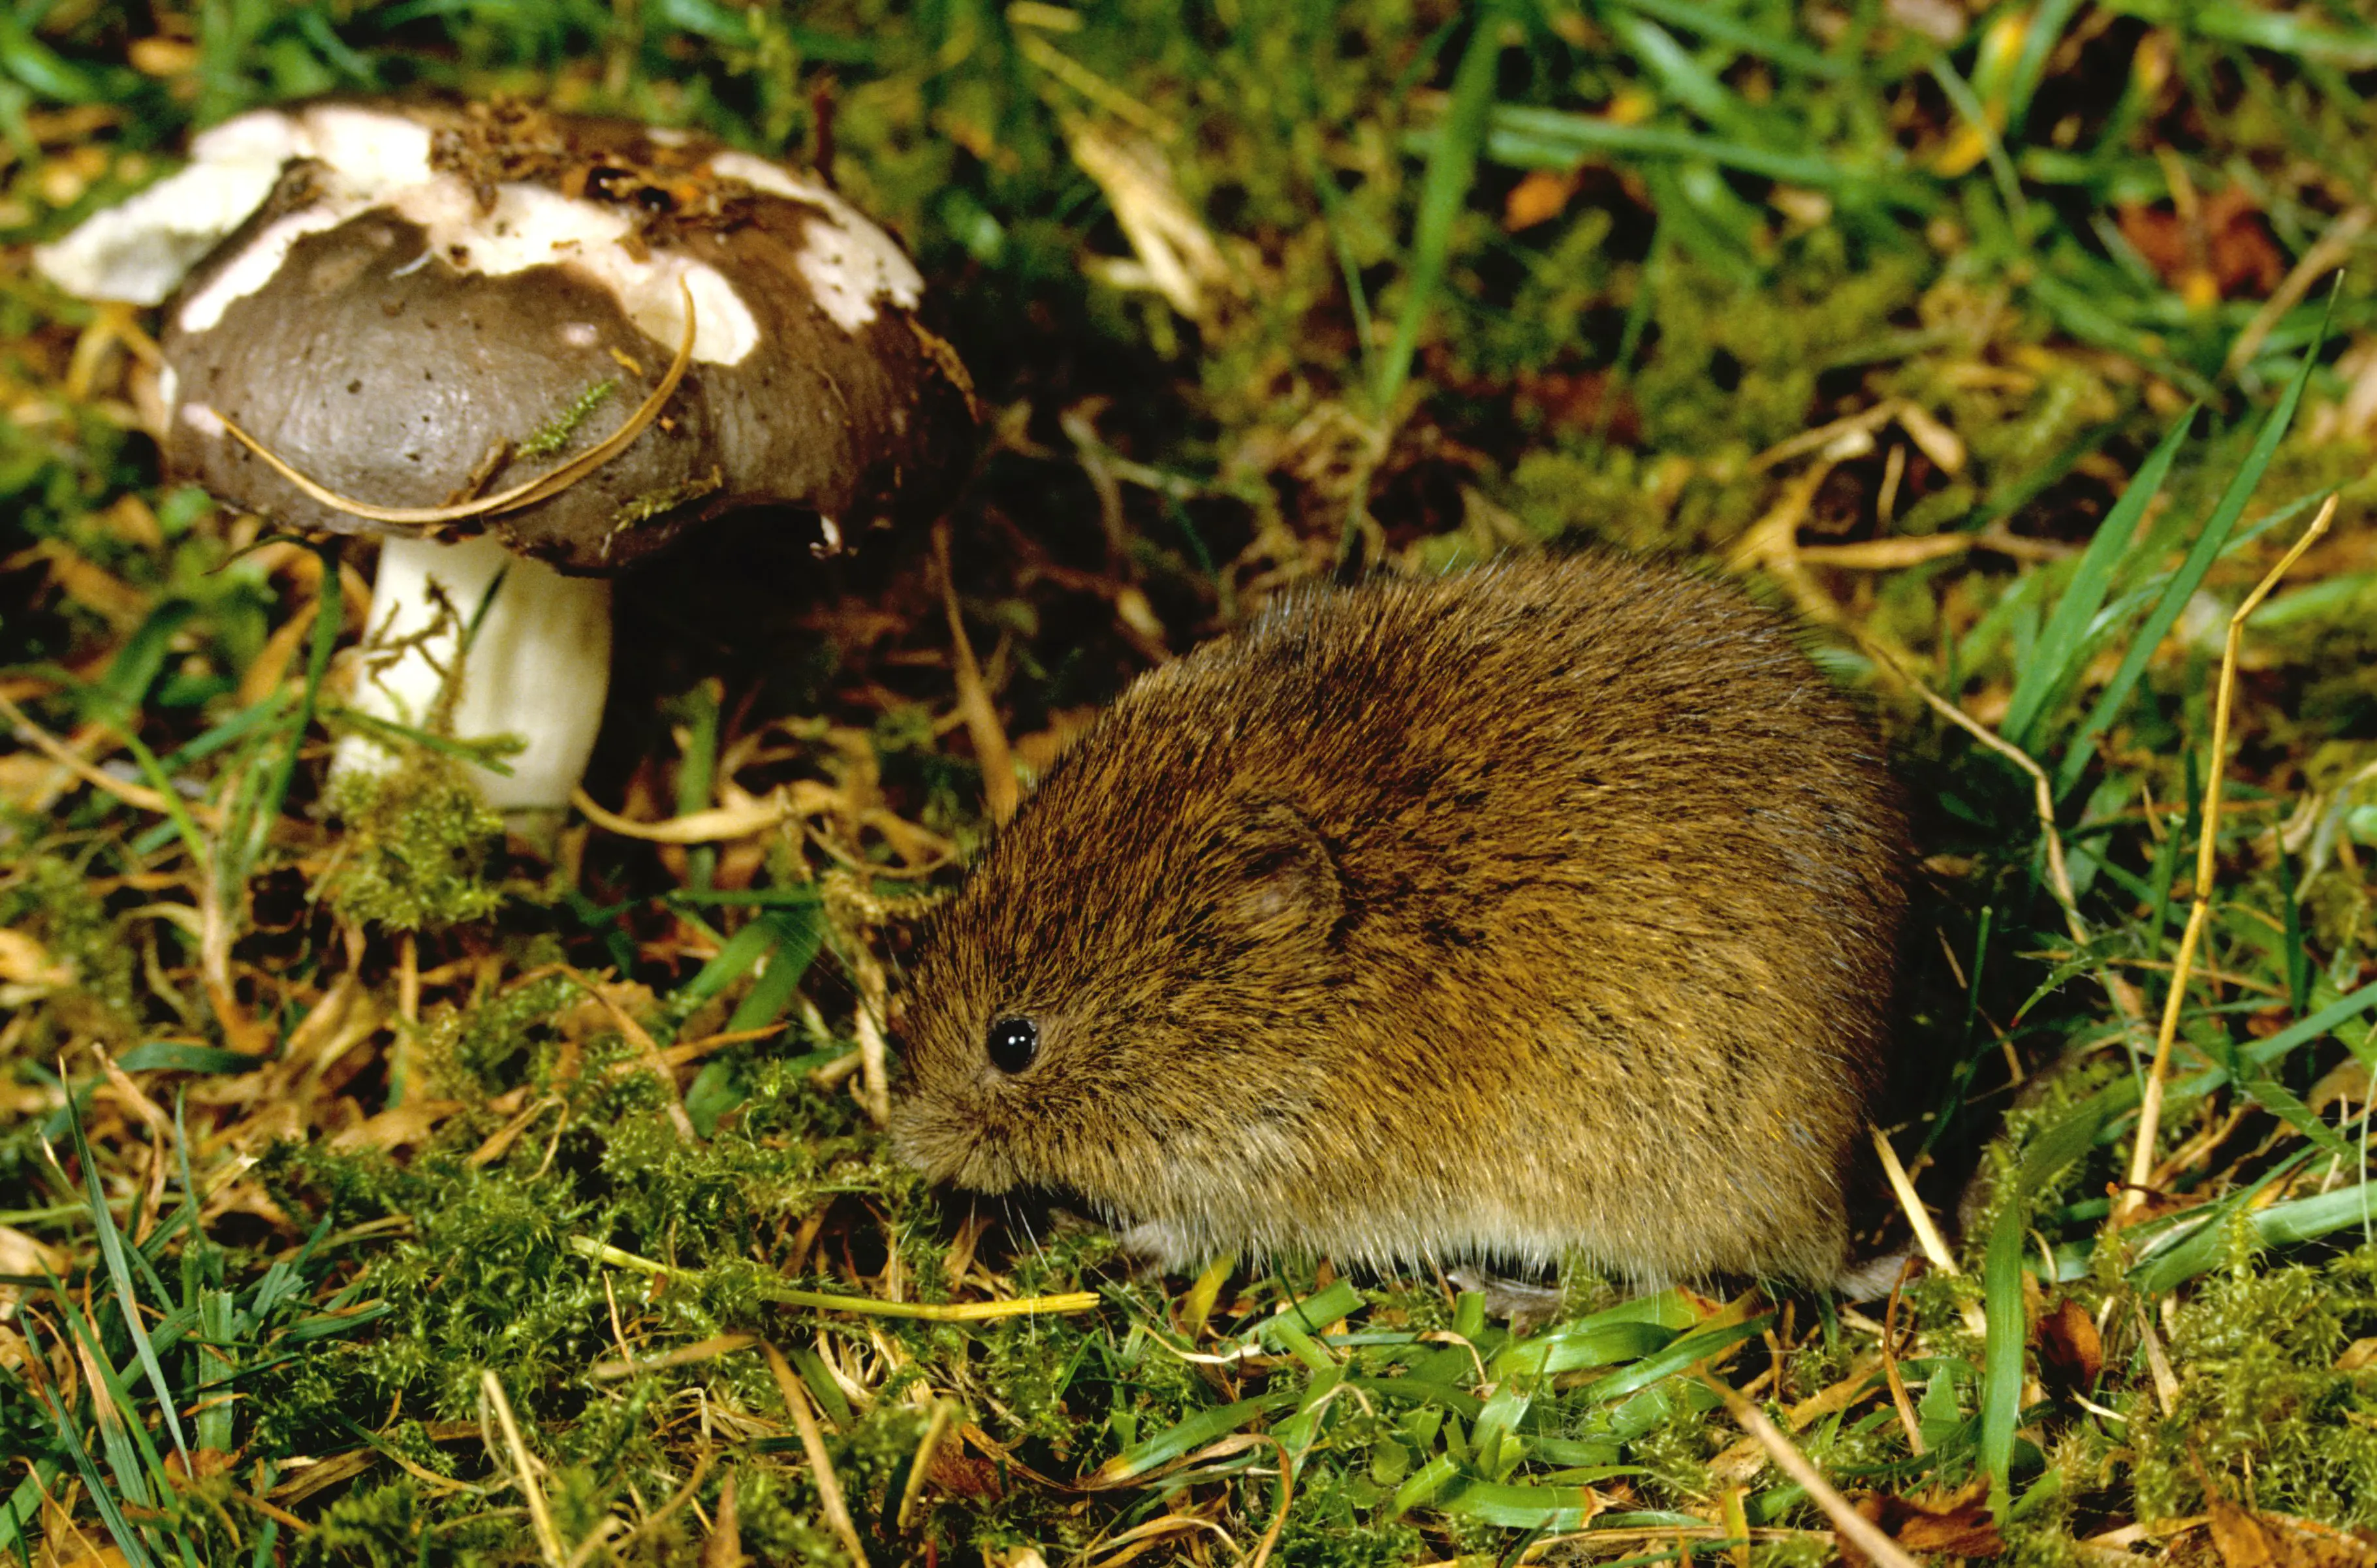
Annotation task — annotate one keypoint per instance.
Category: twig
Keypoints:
(1848, 1521)
(830, 1500)
(2207, 867)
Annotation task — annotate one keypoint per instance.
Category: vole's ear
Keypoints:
(1275, 876)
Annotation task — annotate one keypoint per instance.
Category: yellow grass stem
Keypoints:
(2206, 859)
(927, 1311)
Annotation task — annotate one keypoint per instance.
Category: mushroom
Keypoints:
(529, 349)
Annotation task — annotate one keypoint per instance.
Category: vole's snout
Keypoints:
(945, 1139)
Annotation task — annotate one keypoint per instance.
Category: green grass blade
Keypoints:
(2056, 664)
(130, 1452)
(1516, 1506)
(329, 616)
(483, 751)
(1605, 1346)
(1681, 1354)
(2256, 27)
(238, 727)
(1195, 1432)
(734, 959)
(2183, 582)
(1349, 266)
(2008, 1333)
(1720, 27)
(697, 772)
(1444, 191)
(173, 1056)
(2120, 1098)
(2044, 33)
(217, 1331)
(2002, 1354)
(2206, 1245)
(1681, 77)
(1313, 1313)
(24, 1506)
(1531, 137)
(127, 1540)
(797, 932)
(127, 1299)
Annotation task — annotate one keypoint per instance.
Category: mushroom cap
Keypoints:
(433, 303)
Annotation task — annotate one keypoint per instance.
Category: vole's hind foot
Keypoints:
(1527, 1303)
(1873, 1278)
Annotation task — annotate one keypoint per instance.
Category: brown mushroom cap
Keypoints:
(409, 341)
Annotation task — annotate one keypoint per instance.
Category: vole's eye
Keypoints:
(1012, 1043)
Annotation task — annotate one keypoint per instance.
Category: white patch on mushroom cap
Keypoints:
(374, 159)
(139, 249)
(848, 261)
(202, 419)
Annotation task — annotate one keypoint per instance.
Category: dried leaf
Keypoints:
(25, 962)
(2069, 1346)
(1537, 199)
(2229, 255)
(2248, 1539)
(724, 1547)
(964, 1476)
(408, 1123)
(1955, 1525)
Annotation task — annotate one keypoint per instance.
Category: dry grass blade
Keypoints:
(140, 797)
(528, 492)
(990, 747)
(2207, 865)
(717, 825)
(1898, 1399)
(830, 1499)
(1863, 1532)
(1926, 1234)
(921, 1465)
(548, 1540)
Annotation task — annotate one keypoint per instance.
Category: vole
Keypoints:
(1547, 909)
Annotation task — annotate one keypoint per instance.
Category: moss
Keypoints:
(643, 508)
(556, 431)
(1337, 1522)
(1735, 367)
(2257, 1348)
(417, 848)
(49, 899)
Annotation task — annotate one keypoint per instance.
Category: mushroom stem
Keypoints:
(537, 667)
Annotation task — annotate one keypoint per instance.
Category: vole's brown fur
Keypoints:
(1551, 908)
